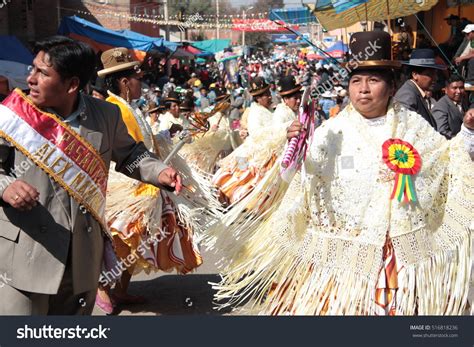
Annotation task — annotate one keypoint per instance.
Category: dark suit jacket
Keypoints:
(448, 117)
(409, 96)
(35, 245)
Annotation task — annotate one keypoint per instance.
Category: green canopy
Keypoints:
(212, 46)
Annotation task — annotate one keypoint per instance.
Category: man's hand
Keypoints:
(469, 119)
(21, 195)
(170, 177)
(294, 129)
(458, 60)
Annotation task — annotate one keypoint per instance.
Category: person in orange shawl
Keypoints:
(147, 233)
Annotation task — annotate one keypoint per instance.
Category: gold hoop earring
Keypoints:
(128, 94)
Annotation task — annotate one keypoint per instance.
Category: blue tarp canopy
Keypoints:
(296, 15)
(338, 46)
(289, 38)
(211, 46)
(120, 38)
(14, 50)
(323, 5)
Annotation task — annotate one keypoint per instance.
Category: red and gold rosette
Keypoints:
(402, 158)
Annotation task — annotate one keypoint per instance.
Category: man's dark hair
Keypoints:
(454, 78)
(68, 57)
(417, 69)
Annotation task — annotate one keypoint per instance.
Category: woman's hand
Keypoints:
(294, 130)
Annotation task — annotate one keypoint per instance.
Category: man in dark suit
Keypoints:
(412, 94)
(52, 194)
(449, 111)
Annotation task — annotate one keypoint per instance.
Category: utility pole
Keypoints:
(167, 26)
(244, 13)
(217, 19)
(58, 6)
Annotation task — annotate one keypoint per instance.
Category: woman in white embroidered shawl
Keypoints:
(244, 168)
(345, 239)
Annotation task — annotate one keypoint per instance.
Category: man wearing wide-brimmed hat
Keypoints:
(290, 92)
(423, 71)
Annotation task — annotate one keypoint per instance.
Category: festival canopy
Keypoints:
(336, 51)
(297, 15)
(334, 14)
(14, 61)
(211, 46)
(101, 38)
(14, 50)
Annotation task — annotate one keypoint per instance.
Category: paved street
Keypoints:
(171, 294)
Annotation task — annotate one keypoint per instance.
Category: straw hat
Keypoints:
(116, 59)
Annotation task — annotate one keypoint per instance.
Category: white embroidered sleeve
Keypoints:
(468, 136)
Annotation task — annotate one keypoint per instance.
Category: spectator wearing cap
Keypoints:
(197, 89)
(449, 111)
(192, 80)
(212, 94)
(423, 75)
(156, 92)
(169, 87)
(466, 56)
(327, 102)
(202, 102)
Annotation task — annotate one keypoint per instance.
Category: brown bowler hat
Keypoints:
(172, 97)
(187, 105)
(371, 49)
(258, 86)
(221, 94)
(116, 59)
(288, 86)
(153, 107)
